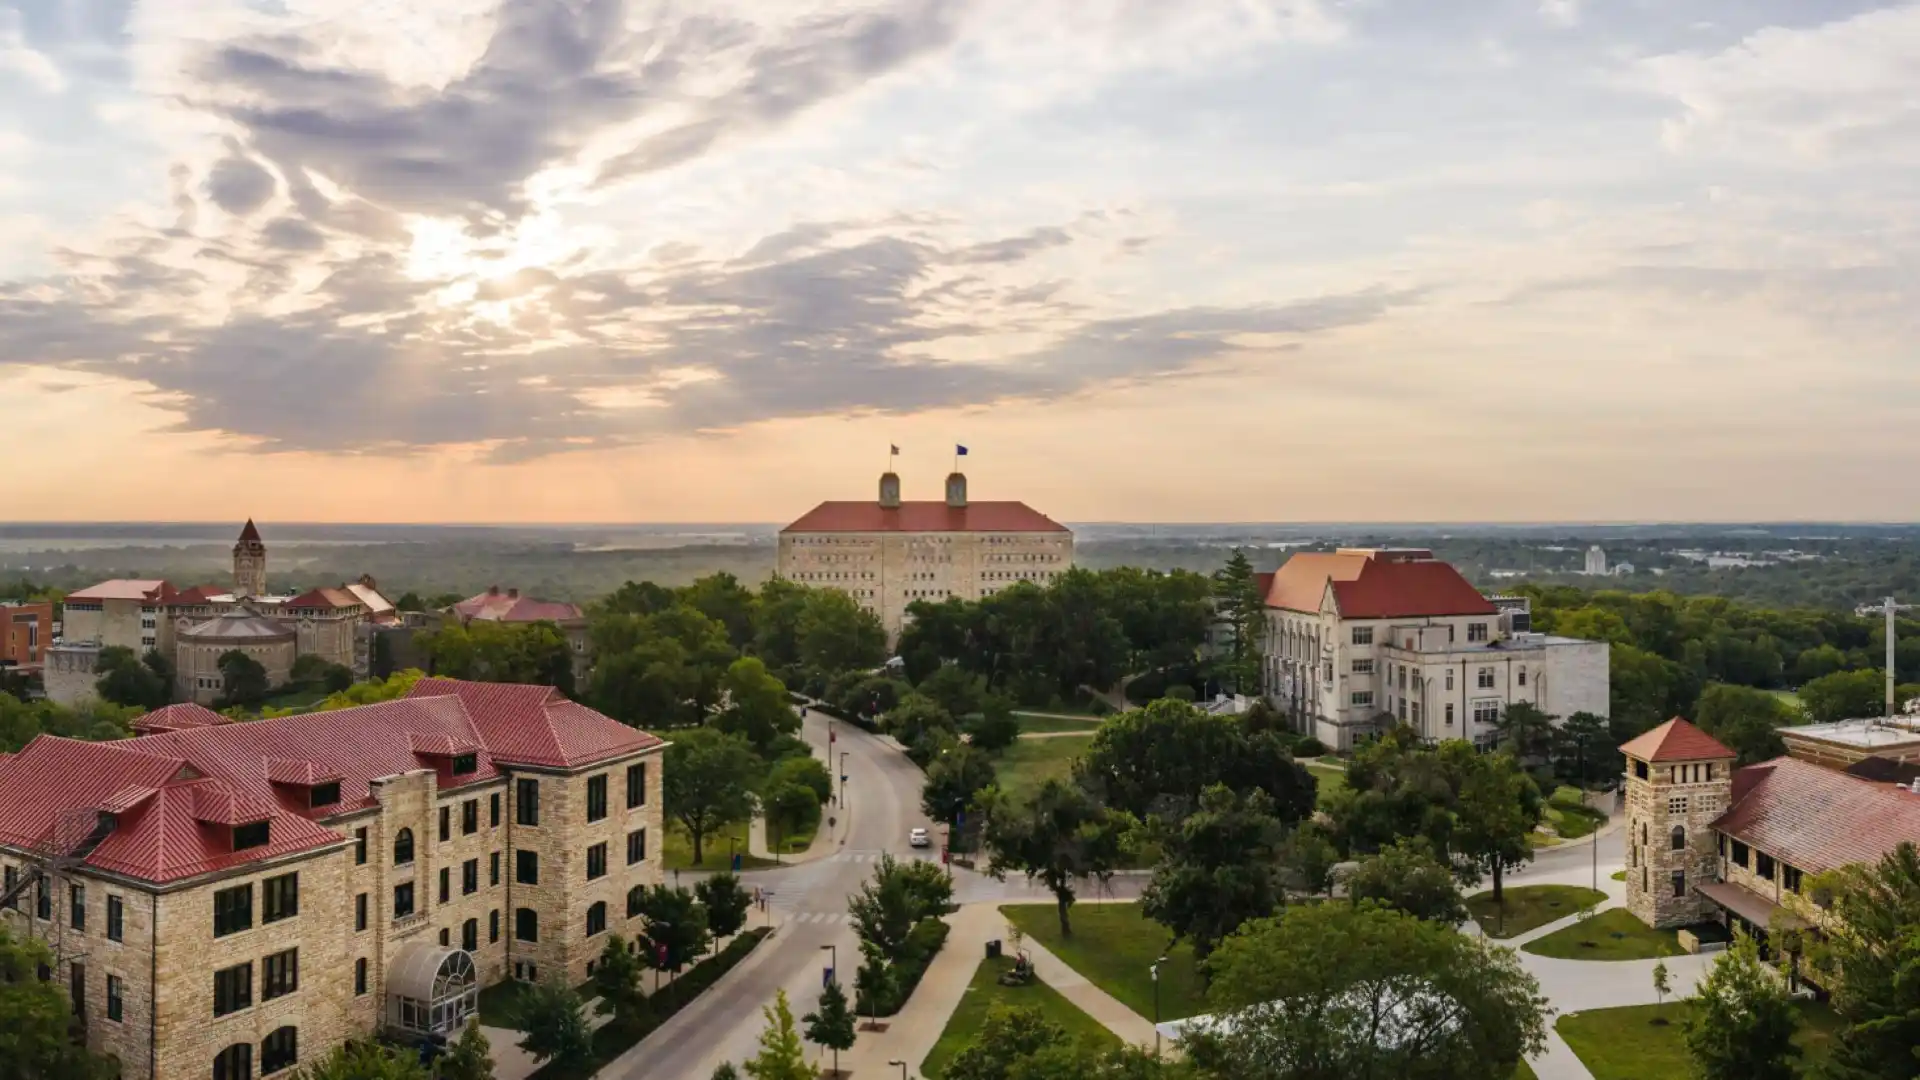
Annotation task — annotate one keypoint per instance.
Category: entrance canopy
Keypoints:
(1756, 910)
(431, 990)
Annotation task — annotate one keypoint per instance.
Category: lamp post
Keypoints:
(732, 843)
(902, 1064)
(1155, 972)
(843, 787)
(834, 970)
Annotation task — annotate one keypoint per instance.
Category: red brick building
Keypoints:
(25, 632)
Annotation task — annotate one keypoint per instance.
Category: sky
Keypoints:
(706, 260)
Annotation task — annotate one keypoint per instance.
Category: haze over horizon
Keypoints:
(1234, 261)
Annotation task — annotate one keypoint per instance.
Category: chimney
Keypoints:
(513, 594)
(493, 590)
(1914, 785)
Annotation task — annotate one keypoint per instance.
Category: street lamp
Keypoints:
(835, 969)
(902, 1064)
(1155, 972)
(843, 784)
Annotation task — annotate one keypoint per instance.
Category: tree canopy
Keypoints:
(1158, 759)
(1057, 837)
(708, 779)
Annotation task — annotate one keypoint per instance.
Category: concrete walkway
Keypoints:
(1087, 734)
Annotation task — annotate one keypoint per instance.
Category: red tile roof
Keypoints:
(249, 534)
(1676, 740)
(177, 793)
(1817, 819)
(1370, 585)
(925, 516)
(323, 598)
(176, 718)
(199, 595)
(125, 589)
(508, 606)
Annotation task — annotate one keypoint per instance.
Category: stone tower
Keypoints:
(957, 490)
(249, 563)
(1679, 780)
(890, 491)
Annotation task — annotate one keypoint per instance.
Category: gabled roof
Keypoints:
(240, 624)
(924, 516)
(508, 606)
(1375, 585)
(324, 599)
(1676, 740)
(200, 595)
(1817, 819)
(176, 718)
(537, 725)
(151, 589)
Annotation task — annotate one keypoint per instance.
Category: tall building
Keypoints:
(1596, 562)
(888, 553)
(26, 629)
(1359, 638)
(249, 563)
(230, 900)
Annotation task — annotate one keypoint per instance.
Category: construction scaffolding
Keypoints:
(50, 863)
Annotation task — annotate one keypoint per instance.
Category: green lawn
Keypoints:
(799, 840)
(1614, 934)
(1626, 1044)
(1114, 946)
(1028, 763)
(1572, 820)
(1332, 778)
(1032, 723)
(1528, 907)
(679, 849)
(1524, 1071)
(984, 992)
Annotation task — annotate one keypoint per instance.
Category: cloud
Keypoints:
(1560, 12)
(239, 185)
(20, 58)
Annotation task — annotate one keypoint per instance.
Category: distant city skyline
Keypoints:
(548, 261)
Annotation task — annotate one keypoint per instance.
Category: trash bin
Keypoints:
(993, 949)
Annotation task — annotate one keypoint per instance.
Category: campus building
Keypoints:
(888, 553)
(26, 629)
(1361, 638)
(234, 899)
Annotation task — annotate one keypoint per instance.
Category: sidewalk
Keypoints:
(823, 843)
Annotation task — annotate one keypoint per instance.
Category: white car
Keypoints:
(919, 838)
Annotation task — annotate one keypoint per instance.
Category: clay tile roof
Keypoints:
(249, 534)
(508, 606)
(1369, 587)
(924, 516)
(1676, 740)
(198, 595)
(324, 598)
(1817, 819)
(127, 798)
(441, 744)
(176, 718)
(125, 589)
(300, 773)
(537, 725)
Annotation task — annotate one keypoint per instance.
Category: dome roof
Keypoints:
(240, 625)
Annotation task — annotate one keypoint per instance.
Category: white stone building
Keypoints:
(888, 553)
(1357, 635)
(1596, 562)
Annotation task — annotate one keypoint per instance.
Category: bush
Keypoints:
(1309, 747)
(924, 942)
(1179, 692)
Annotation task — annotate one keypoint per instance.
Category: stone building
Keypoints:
(236, 899)
(1358, 634)
(1678, 782)
(199, 647)
(508, 606)
(888, 553)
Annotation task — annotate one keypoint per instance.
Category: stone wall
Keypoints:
(1686, 794)
(71, 673)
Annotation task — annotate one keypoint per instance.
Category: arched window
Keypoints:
(1643, 834)
(597, 918)
(636, 899)
(470, 935)
(403, 847)
(526, 924)
(234, 1063)
(279, 1051)
(1679, 838)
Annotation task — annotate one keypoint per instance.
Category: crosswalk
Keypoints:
(817, 918)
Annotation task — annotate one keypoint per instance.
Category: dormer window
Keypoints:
(324, 795)
(466, 764)
(251, 835)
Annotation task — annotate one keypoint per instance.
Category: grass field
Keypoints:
(1036, 724)
(1332, 778)
(1028, 763)
(1528, 907)
(678, 852)
(1626, 1044)
(1614, 934)
(1114, 946)
(1573, 820)
(984, 992)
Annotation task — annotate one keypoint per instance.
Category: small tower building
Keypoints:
(1679, 781)
(249, 563)
(957, 490)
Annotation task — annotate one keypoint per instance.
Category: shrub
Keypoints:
(924, 942)
(1179, 692)
(1309, 747)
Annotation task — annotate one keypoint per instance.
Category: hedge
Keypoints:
(924, 942)
(612, 1039)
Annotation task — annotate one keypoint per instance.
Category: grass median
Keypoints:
(984, 992)
(1528, 907)
(1115, 946)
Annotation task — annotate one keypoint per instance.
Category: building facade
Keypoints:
(199, 647)
(324, 876)
(25, 632)
(1358, 635)
(889, 553)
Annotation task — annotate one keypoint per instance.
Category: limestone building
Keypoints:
(199, 647)
(508, 606)
(888, 553)
(1358, 635)
(233, 900)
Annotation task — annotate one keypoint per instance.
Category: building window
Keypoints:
(232, 989)
(596, 797)
(279, 898)
(493, 810)
(1359, 698)
(1677, 804)
(1486, 711)
(1763, 865)
(116, 919)
(493, 926)
(77, 906)
(469, 817)
(446, 824)
(597, 918)
(493, 869)
(466, 764)
(470, 934)
(234, 1063)
(446, 883)
(1679, 838)
(1483, 678)
(403, 847)
(526, 867)
(1640, 770)
(636, 785)
(359, 847)
(636, 846)
(12, 880)
(77, 989)
(1363, 635)
(446, 938)
(232, 910)
(279, 1051)
(526, 924)
(1449, 714)
(1679, 883)
(1363, 666)
(280, 974)
(469, 877)
(359, 913)
(116, 998)
(526, 799)
(360, 977)
(403, 900)
(1520, 676)
(251, 835)
(1790, 878)
(323, 795)
(597, 861)
(1476, 631)
(636, 900)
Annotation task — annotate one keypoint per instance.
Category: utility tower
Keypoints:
(1891, 608)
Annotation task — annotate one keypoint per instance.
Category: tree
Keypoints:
(789, 808)
(365, 1061)
(1007, 1037)
(1745, 719)
(488, 651)
(1742, 1023)
(953, 779)
(551, 1015)
(889, 904)
(873, 983)
(616, 979)
(808, 772)
(1582, 752)
(781, 1056)
(380, 661)
(757, 706)
(34, 1039)
(1219, 870)
(392, 688)
(1498, 810)
(1057, 837)
(1307, 991)
(243, 681)
(915, 718)
(831, 1023)
(725, 1071)
(124, 680)
(1158, 759)
(726, 903)
(1871, 954)
(708, 782)
(1662, 985)
(836, 634)
(1525, 732)
(676, 931)
(953, 688)
(1844, 695)
(1408, 878)
(1239, 603)
(469, 1059)
(1311, 857)
(723, 599)
(996, 727)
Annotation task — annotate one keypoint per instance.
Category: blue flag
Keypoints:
(960, 450)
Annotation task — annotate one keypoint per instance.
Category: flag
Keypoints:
(960, 451)
(893, 450)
